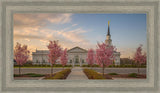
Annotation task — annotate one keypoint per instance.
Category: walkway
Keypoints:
(77, 74)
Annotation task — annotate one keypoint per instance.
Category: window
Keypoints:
(82, 60)
(70, 61)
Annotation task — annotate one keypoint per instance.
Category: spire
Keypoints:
(108, 29)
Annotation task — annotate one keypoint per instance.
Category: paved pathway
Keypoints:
(77, 74)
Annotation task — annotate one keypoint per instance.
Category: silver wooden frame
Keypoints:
(9, 7)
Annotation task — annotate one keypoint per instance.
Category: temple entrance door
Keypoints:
(76, 60)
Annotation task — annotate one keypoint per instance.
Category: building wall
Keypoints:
(117, 58)
(40, 59)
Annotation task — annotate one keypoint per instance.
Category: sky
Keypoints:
(127, 31)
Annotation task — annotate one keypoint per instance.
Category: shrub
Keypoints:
(117, 65)
(84, 65)
(112, 74)
(126, 65)
(95, 65)
(68, 65)
(77, 65)
(132, 75)
(129, 65)
(110, 66)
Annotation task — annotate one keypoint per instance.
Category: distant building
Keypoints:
(76, 55)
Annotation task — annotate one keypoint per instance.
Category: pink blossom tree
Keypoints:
(54, 53)
(21, 54)
(139, 58)
(64, 58)
(104, 55)
(90, 57)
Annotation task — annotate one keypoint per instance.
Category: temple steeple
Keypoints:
(108, 29)
(108, 40)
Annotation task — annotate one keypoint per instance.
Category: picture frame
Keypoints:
(9, 7)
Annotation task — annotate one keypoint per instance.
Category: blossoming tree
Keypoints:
(64, 58)
(54, 53)
(139, 58)
(90, 57)
(21, 54)
(104, 55)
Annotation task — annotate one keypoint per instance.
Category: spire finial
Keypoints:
(108, 23)
(108, 29)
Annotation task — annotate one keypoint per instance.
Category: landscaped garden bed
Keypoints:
(59, 75)
(91, 74)
(131, 75)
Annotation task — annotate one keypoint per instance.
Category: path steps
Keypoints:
(77, 74)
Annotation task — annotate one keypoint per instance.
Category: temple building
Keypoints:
(76, 55)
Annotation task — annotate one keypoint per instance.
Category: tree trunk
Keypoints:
(52, 70)
(103, 70)
(19, 70)
(138, 68)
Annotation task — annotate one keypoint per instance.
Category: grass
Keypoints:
(34, 75)
(29, 75)
(112, 74)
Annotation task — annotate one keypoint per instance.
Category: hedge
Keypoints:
(36, 65)
(126, 66)
(90, 65)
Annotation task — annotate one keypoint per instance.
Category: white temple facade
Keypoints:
(76, 55)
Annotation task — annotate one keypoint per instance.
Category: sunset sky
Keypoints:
(128, 31)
